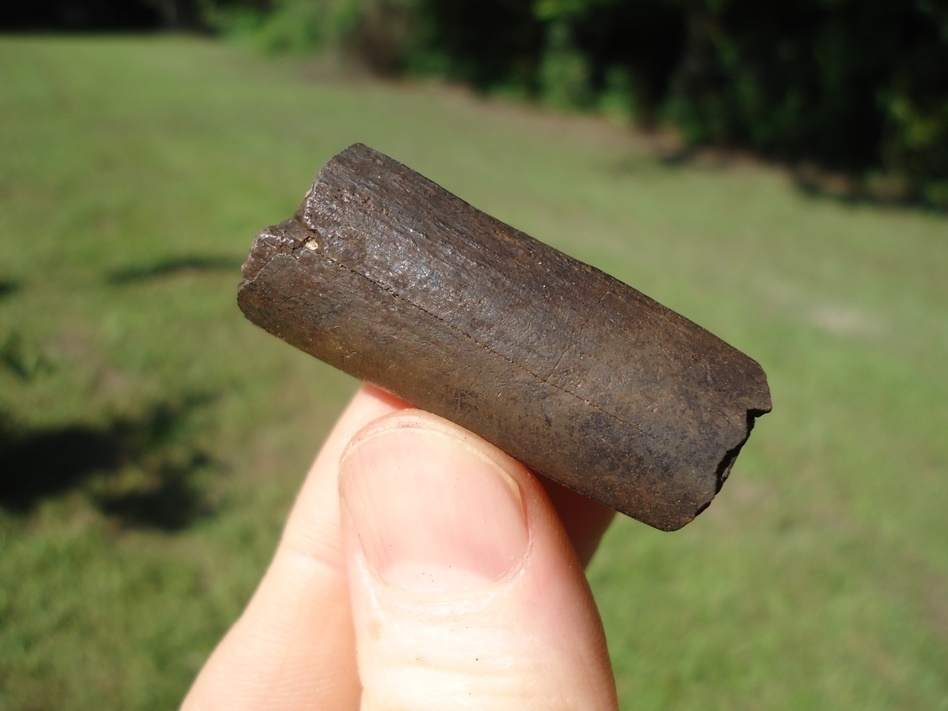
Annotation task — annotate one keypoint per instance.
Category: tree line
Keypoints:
(859, 86)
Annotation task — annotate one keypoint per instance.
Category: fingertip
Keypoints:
(430, 507)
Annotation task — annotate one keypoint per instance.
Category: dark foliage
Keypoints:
(851, 84)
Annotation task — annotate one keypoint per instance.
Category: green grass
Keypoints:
(151, 440)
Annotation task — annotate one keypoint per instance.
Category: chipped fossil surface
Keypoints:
(394, 280)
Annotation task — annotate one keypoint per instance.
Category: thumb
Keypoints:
(466, 592)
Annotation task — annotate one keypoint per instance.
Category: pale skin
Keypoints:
(420, 568)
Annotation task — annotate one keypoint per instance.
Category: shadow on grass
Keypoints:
(856, 190)
(171, 267)
(8, 288)
(813, 181)
(853, 188)
(141, 470)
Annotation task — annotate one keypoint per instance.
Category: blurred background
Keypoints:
(777, 172)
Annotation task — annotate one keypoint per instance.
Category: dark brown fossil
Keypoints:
(389, 277)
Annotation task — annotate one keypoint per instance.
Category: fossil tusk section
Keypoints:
(394, 280)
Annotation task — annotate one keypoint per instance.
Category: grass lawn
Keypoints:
(151, 440)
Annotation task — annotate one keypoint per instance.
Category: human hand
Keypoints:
(420, 568)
